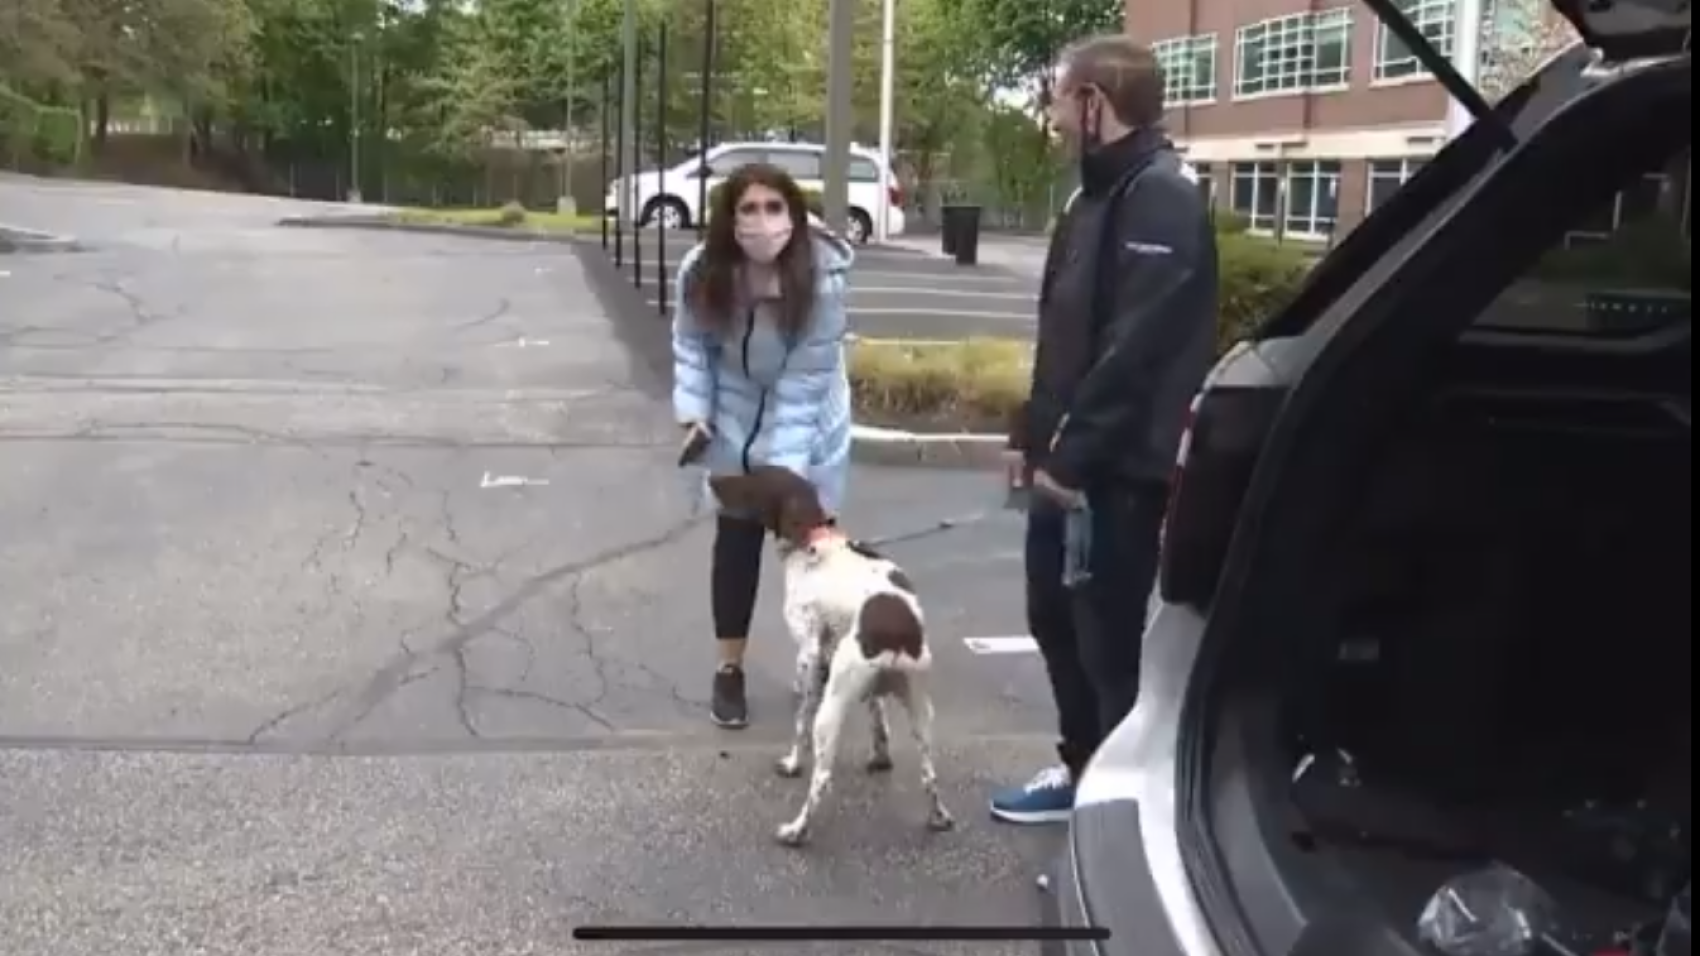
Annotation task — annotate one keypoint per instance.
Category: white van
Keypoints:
(673, 195)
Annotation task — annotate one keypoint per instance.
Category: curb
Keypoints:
(380, 224)
(882, 446)
(18, 239)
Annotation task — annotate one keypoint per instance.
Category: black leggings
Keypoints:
(734, 574)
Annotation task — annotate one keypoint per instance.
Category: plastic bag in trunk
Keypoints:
(1492, 912)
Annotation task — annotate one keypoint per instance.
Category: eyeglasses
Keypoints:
(771, 207)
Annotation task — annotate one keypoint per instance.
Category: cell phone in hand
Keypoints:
(696, 442)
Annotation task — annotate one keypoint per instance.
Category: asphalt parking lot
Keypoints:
(354, 607)
(895, 292)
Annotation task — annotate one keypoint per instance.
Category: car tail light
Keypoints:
(1225, 429)
(894, 194)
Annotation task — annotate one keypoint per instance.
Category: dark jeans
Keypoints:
(1090, 637)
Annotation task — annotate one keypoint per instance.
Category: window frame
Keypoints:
(1257, 175)
(721, 165)
(1408, 167)
(777, 157)
(1322, 172)
(1306, 77)
(1189, 51)
(1437, 20)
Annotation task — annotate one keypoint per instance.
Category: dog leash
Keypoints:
(937, 527)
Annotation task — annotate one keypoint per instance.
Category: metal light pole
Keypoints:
(354, 117)
(628, 114)
(1467, 59)
(835, 198)
(888, 48)
(706, 117)
(565, 204)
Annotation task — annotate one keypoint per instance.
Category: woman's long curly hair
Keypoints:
(712, 287)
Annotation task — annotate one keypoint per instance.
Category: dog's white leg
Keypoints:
(813, 682)
(805, 664)
(880, 760)
(918, 701)
(843, 686)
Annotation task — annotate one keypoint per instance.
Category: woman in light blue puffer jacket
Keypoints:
(759, 378)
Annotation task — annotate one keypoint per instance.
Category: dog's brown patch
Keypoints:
(887, 625)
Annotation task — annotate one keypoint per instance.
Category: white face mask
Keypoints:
(763, 237)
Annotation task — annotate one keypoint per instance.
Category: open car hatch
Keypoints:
(1630, 29)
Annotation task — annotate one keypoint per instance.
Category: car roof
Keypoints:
(787, 147)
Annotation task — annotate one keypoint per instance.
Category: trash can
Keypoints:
(947, 233)
(962, 233)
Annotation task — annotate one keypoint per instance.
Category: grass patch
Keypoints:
(969, 386)
(511, 216)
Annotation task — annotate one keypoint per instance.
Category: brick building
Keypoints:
(1300, 114)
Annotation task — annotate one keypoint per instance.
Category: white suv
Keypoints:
(673, 194)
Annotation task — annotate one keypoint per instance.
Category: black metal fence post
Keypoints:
(705, 118)
(637, 160)
(661, 163)
(622, 191)
(602, 145)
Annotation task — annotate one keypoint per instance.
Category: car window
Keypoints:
(1622, 270)
(799, 163)
(726, 162)
(863, 170)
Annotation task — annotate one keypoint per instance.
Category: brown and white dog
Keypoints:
(859, 634)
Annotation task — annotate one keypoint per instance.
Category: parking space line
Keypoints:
(1009, 644)
(962, 293)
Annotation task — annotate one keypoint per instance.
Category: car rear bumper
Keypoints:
(1060, 895)
(1106, 853)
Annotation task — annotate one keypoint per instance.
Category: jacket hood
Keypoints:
(833, 253)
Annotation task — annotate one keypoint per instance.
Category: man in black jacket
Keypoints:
(1126, 335)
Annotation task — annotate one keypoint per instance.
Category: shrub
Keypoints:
(511, 214)
(1257, 277)
(969, 385)
(1230, 223)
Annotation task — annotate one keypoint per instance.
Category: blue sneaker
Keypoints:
(1047, 798)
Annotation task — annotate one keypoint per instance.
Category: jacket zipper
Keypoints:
(761, 401)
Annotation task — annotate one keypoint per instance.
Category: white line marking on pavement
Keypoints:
(857, 273)
(509, 481)
(965, 293)
(1014, 644)
(522, 343)
(1026, 318)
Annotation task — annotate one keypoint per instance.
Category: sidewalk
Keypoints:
(1019, 254)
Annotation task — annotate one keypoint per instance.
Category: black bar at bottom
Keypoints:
(833, 934)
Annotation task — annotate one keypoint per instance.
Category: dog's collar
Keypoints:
(822, 535)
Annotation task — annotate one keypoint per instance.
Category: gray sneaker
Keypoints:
(727, 706)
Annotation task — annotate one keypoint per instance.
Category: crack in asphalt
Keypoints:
(501, 309)
(450, 649)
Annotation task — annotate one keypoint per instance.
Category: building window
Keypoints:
(1256, 188)
(1294, 54)
(1313, 199)
(1434, 18)
(1206, 180)
(1189, 69)
(1385, 178)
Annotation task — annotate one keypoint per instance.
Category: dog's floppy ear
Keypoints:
(738, 493)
